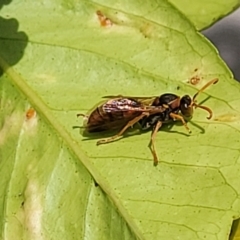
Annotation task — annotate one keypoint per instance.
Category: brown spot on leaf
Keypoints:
(196, 77)
(194, 80)
(31, 121)
(30, 113)
(104, 20)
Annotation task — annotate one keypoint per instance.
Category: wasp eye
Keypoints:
(185, 101)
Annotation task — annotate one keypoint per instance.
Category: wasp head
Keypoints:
(187, 103)
(186, 106)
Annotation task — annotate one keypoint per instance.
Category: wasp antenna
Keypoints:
(112, 96)
(213, 81)
(82, 115)
(206, 109)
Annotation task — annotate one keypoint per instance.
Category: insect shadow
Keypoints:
(205, 100)
(135, 130)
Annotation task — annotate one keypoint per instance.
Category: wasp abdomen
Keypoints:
(118, 109)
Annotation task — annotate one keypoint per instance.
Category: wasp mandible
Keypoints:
(122, 112)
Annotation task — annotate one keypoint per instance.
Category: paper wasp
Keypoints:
(122, 112)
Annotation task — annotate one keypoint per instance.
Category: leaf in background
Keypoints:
(235, 231)
(73, 59)
(205, 13)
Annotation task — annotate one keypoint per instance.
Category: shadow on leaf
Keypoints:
(135, 130)
(12, 41)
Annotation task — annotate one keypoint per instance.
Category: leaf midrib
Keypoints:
(44, 112)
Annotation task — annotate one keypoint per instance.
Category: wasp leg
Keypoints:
(151, 144)
(129, 124)
(178, 117)
(85, 117)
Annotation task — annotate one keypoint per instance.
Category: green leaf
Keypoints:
(205, 13)
(48, 169)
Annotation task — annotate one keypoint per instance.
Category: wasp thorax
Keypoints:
(186, 106)
(169, 99)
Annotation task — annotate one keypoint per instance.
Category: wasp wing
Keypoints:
(116, 113)
(144, 100)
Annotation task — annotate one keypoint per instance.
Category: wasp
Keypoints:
(122, 112)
